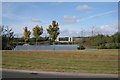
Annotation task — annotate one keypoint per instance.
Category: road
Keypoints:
(34, 74)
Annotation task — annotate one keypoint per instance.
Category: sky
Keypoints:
(74, 18)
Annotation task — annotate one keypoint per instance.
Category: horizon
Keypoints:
(74, 18)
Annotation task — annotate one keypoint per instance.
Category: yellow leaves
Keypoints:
(37, 31)
(26, 34)
(52, 29)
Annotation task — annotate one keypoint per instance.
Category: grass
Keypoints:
(89, 61)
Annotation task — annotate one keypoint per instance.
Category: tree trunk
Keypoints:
(36, 42)
(54, 45)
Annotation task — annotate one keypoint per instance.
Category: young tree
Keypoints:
(53, 30)
(37, 31)
(7, 36)
(26, 34)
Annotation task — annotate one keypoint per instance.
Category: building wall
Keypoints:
(64, 39)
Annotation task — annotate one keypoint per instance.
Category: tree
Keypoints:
(116, 37)
(1, 30)
(7, 37)
(53, 30)
(37, 31)
(26, 34)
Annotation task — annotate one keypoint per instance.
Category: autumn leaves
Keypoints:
(53, 31)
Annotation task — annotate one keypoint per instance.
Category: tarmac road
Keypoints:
(7, 73)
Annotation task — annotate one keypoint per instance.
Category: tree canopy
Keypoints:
(37, 31)
(26, 34)
(7, 36)
(53, 30)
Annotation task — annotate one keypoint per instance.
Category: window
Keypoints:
(63, 39)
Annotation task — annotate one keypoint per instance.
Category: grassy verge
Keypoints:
(90, 61)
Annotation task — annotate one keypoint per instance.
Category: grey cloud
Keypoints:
(36, 20)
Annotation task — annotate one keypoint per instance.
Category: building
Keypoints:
(69, 39)
(64, 39)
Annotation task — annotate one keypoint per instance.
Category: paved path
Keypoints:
(7, 73)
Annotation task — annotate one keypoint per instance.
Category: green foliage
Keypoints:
(82, 47)
(116, 37)
(37, 31)
(7, 37)
(110, 46)
(103, 42)
(53, 30)
(26, 34)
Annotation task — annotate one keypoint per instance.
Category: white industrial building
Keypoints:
(64, 39)
(68, 39)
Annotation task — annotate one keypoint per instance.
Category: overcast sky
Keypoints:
(74, 18)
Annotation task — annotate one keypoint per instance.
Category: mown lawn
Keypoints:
(89, 61)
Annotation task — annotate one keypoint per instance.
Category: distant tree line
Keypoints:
(99, 41)
(103, 41)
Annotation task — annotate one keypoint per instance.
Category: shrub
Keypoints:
(81, 47)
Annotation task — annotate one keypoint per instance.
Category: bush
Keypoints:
(113, 46)
(101, 47)
(110, 46)
(32, 43)
(21, 43)
(81, 47)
